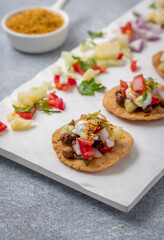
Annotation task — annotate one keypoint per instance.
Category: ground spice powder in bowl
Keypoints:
(35, 21)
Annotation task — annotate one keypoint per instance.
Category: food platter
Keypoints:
(120, 186)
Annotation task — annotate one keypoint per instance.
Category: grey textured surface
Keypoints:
(53, 210)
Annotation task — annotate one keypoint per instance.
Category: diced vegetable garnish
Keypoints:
(63, 82)
(110, 62)
(108, 50)
(56, 70)
(77, 68)
(95, 34)
(55, 101)
(19, 123)
(130, 106)
(69, 60)
(86, 45)
(26, 113)
(133, 65)
(67, 129)
(139, 84)
(89, 88)
(102, 69)
(124, 86)
(127, 29)
(2, 126)
(154, 101)
(86, 150)
(105, 149)
(116, 133)
(88, 142)
(127, 53)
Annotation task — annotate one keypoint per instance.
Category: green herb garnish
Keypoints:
(103, 124)
(89, 88)
(136, 14)
(152, 5)
(85, 65)
(94, 35)
(42, 105)
(87, 162)
(144, 97)
(22, 109)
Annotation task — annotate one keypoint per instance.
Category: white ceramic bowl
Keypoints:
(38, 43)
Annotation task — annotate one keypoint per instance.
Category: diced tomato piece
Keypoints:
(133, 65)
(123, 91)
(55, 101)
(26, 115)
(154, 101)
(56, 79)
(88, 142)
(2, 126)
(77, 68)
(102, 69)
(127, 29)
(123, 84)
(139, 83)
(106, 149)
(63, 87)
(99, 128)
(86, 150)
(120, 56)
(72, 81)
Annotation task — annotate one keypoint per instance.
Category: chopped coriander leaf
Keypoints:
(144, 97)
(42, 105)
(103, 124)
(101, 89)
(89, 63)
(85, 42)
(86, 161)
(136, 14)
(89, 88)
(95, 34)
(22, 109)
(152, 5)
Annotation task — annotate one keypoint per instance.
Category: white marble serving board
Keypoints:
(120, 186)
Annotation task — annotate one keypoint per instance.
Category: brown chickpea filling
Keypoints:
(35, 21)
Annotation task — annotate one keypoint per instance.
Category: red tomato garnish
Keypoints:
(72, 81)
(127, 29)
(56, 79)
(55, 101)
(99, 128)
(63, 87)
(120, 56)
(86, 150)
(133, 65)
(2, 126)
(123, 84)
(88, 142)
(77, 68)
(26, 115)
(123, 91)
(102, 69)
(139, 83)
(106, 149)
(154, 101)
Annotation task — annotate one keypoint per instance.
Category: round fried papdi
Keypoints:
(121, 148)
(156, 62)
(109, 102)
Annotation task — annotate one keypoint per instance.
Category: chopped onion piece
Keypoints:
(77, 148)
(137, 45)
(97, 153)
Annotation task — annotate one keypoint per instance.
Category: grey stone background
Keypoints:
(53, 210)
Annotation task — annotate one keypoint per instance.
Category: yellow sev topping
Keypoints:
(92, 121)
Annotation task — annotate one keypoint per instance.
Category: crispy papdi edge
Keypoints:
(121, 148)
(109, 102)
(156, 62)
